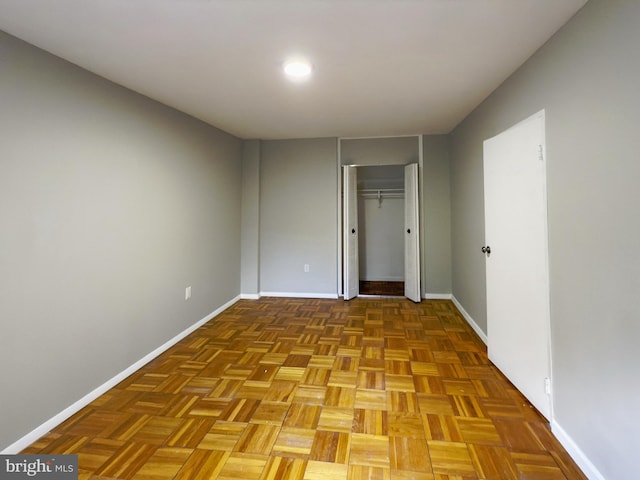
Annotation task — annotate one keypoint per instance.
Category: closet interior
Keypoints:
(381, 222)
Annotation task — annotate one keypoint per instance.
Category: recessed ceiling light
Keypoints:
(297, 70)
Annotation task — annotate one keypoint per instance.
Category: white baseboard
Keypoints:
(299, 295)
(470, 320)
(383, 279)
(249, 296)
(437, 296)
(576, 452)
(47, 426)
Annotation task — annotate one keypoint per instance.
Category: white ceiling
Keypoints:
(382, 67)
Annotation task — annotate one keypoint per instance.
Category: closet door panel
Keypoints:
(411, 239)
(350, 233)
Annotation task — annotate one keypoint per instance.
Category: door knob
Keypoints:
(408, 230)
(486, 250)
(353, 230)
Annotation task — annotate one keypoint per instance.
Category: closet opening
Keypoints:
(381, 221)
(379, 248)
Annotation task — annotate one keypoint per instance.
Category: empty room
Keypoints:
(198, 196)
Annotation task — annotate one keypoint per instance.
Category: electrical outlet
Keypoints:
(187, 293)
(306, 268)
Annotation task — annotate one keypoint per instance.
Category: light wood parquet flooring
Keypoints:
(317, 390)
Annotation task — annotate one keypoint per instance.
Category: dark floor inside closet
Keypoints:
(392, 289)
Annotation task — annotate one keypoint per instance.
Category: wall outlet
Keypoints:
(187, 293)
(306, 268)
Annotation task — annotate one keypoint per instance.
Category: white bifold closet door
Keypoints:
(351, 274)
(411, 238)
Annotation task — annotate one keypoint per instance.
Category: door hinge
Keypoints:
(547, 386)
(540, 153)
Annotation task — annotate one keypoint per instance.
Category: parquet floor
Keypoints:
(317, 390)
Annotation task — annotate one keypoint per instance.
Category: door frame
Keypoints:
(339, 183)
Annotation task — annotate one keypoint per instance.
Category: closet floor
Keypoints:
(392, 289)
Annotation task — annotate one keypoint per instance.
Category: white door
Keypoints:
(350, 233)
(411, 239)
(516, 250)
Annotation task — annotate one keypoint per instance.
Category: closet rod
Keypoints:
(379, 194)
(381, 190)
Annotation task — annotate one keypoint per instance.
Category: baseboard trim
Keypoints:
(56, 420)
(383, 279)
(249, 296)
(470, 320)
(299, 295)
(437, 296)
(576, 452)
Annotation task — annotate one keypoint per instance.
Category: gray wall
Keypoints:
(298, 216)
(250, 259)
(436, 215)
(110, 205)
(586, 78)
(379, 151)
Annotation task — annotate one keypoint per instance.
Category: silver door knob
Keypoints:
(486, 250)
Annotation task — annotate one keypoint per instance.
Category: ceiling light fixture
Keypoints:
(297, 70)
